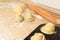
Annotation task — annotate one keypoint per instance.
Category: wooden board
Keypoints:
(10, 30)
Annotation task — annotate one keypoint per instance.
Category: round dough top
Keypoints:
(38, 36)
(49, 28)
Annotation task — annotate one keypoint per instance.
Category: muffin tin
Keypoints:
(55, 36)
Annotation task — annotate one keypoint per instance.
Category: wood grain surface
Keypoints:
(10, 30)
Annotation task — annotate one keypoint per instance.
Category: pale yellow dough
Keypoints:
(38, 36)
(49, 28)
(19, 18)
(18, 9)
(28, 16)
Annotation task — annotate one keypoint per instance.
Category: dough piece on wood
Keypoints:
(20, 18)
(28, 16)
(18, 9)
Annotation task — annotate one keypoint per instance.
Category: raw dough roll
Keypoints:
(18, 9)
(49, 28)
(19, 18)
(28, 16)
(38, 36)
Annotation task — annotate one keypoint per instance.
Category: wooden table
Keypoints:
(10, 30)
